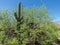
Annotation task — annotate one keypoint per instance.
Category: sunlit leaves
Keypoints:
(44, 30)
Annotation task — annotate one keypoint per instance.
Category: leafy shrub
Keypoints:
(37, 28)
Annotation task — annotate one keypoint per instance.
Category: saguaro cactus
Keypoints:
(18, 16)
(19, 19)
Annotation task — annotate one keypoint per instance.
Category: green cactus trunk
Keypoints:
(19, 19)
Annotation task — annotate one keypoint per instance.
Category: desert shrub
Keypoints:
(37, 28)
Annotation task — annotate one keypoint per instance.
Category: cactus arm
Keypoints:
(15, 14)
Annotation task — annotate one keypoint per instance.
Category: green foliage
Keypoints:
(37, 26)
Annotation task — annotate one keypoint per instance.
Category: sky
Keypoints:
(52, 5)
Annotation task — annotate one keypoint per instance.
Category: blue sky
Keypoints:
(52, 5)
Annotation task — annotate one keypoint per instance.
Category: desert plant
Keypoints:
(37, 27)
(18, 16)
